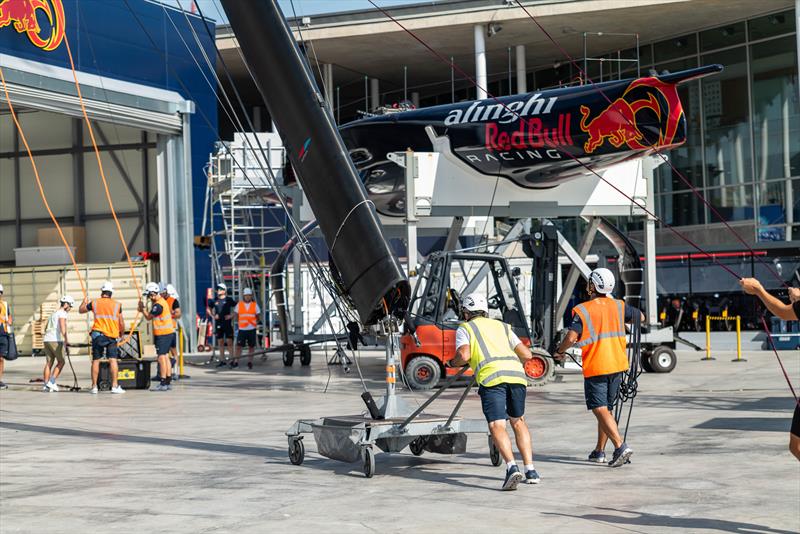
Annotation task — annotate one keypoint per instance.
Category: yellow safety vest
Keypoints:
(492, 358)
(5, 319)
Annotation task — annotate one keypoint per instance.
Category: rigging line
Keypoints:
(304, 245)
(107, 191)
(673, 230)
(303, 41)
(654, 147)
(39, 184)
(780, 362)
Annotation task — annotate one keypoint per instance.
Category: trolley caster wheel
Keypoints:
(305, 355)
(369, 462)
(663, 359)
(297, 451)
(417, 446)
(104, 386)
(288, 357)
(494, 453)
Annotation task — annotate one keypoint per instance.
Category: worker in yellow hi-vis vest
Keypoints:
(495, 354)
(163, 332)
(5, 335)
(598, 328)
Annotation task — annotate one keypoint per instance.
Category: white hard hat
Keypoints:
(107, 286)
(247, 291)
(1, 288)
(66, 299)
(475, 303)
(222, 286)
(171, 291)
(162, 287)
(152, 287)
(603, 280)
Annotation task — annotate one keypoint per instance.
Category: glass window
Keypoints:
(629, 68)
(675, 48)
(776, 112)
(772, 210)
(725, 112)
(775, 24)
(721, 37)
(732, 203)
(680, 209)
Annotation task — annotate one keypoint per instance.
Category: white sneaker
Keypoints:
(53, 386)
(45, 388)
(117, 389)
(94, 390)
(160, 387)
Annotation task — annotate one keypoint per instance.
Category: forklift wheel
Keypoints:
(663, 359)
(288, 357)
(423, 372)
(646, 354)
(369, 462)
(540, 369)
(305, 355)
(417, 446)
(494, 453)
(297, 451)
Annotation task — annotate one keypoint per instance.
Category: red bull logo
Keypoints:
(618, 124)
(25, 17)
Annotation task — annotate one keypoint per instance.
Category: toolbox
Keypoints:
(132, 374)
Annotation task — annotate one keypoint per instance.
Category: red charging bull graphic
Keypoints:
(41, 20)
(618, 122)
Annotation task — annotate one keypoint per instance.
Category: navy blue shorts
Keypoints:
(174, 344)
(502, 401)
(164, 343)
(103, 346)
(602, 390)
(796, 421)
(4, 344)
(246, 338)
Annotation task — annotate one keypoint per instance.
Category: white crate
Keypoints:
(28, 256)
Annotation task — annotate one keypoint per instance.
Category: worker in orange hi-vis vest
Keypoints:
(169, 294)
(5, 335)
(163, 332)
(247, 313)
(598, 327)
(107, 328)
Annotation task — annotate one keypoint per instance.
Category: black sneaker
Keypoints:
(513, 478)
(250, 365)
(621, 455)
(222, 363)
(234, 364)
(532, 477)
(3, 385)
(598, 457)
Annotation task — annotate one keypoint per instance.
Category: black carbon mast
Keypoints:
(372, 275)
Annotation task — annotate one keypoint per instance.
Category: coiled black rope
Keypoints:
(629, 386)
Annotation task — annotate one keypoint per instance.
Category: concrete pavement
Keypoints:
(710, 439)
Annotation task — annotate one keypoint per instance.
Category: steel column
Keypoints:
(479, 32)
(648, 169)
(522, 75)
(17, 195)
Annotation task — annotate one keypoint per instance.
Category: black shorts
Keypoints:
(602, 390)
(174, 344)
(796, 421)
(247, 338)
(502, 401)
(224, 330)
(103, 346)
(164, 343)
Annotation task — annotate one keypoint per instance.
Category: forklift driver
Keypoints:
(493, 351)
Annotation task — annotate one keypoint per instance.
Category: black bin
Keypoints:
(133, 374)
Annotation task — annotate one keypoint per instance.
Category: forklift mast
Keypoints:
(542, 247)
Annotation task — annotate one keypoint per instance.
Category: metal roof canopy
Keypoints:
(49, 88)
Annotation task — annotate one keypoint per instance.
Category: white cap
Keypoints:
(152, 287)
(222, 286)
(107, 286)
(247, 291)
(475, 303)
(171, 291)
(1, 288)
(603, 280)
(66, 299)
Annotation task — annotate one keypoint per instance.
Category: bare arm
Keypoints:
(462, 356)
(784, 310)
(569, 340)
(176, 314)
(62, 325)
(523, 352)
(83, 308)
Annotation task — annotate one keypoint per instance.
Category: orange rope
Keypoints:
(39, 183)
(105, 186)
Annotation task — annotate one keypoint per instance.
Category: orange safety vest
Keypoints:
(603, 340)
(106, 316)
(170, 302)
(5, 319)
(162, 323)
(247, 315)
